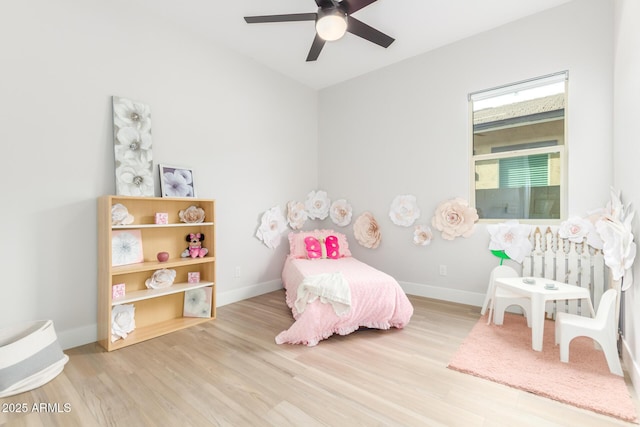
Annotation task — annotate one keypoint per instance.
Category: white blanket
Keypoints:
(331, 288)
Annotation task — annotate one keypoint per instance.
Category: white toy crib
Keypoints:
(577, 264)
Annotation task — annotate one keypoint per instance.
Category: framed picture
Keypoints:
(176, 181)
(197, 302)
(126, 247)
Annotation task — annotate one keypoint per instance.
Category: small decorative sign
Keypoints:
(193, 277)
(117, 291)
(162, 218)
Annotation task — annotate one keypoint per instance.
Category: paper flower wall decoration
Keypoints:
(619, 249)
(192, 215)
(122, 321)
(272, 225)
(366, 231)
(296, 215)
(161, 279)
(422, 235)
(511, 238)
(578, 230)
(404, 210)
(454, 218)
(340, 212)
(317, 205)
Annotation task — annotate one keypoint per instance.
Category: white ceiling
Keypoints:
(417, 25)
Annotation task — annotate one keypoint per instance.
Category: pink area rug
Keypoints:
(503, 354)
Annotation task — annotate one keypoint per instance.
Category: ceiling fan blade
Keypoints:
(324, 3)
(281, 18)
(316, 48)
(361, 29)
(351, 6)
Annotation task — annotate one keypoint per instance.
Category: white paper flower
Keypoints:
(271, 227)
(192, 215)
(404, 210)
(296, 215)
(161, 279)
(512, 238)
(317, 205)
(340, 212)
(366, 231)
(422, 235)
(454, 218)
(575, 229)
(122, 321)
(619, 248)
(120, 215)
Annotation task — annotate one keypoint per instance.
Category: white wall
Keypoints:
(626, 155)
(241, 127)
(405, 130)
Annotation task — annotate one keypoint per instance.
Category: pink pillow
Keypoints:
(298, 249)
(327, 248)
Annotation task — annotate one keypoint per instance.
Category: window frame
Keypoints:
(560, 149)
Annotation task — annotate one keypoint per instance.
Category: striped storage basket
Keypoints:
(30, 356)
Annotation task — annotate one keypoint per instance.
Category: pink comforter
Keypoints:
(377, 301)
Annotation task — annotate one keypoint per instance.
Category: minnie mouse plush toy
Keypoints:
(195, 248)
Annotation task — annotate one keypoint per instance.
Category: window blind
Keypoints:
(529, 171)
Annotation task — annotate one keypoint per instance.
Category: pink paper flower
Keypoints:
(296, 215)
(340, 212)
(422, 235)
(366, 231)
(454, 218)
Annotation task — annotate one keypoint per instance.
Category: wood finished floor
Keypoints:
(230, 372)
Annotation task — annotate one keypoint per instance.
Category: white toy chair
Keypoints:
(503, 297)
(601, 329)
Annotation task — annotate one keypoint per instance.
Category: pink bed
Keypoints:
(376, 300)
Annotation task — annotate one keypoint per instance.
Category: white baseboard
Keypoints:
(444, 294)
(78, 336)
(631, 365)
(235, 295)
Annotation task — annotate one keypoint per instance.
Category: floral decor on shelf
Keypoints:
(296, 215)
(122, 321)
(404, 210)
(120, 215)
(366, 231)
(510, 240)
(422, 235)
(191, 215)
(161, 279)
(340, 212)
(454, 218)
(272, 225)
(317, 205)
(132, 147)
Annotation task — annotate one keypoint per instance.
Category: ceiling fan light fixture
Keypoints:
(331, 25)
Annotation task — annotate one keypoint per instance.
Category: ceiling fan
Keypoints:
(332, 19)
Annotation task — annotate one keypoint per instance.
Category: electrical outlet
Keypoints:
(443, 270)
(236, 273)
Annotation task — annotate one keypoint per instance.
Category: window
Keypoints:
(518, 143)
